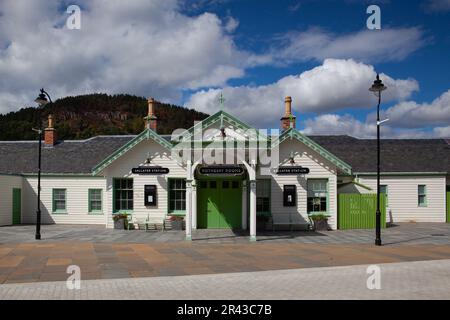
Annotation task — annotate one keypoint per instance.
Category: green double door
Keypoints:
(219, 204)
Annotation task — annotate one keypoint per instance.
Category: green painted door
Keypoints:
(219, 204)
(17, 206)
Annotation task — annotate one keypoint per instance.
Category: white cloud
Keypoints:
(333, 124)
(135, 46)
(409, 114)
(387, 44)
(406, 120)
(231, 24)
(334, 85)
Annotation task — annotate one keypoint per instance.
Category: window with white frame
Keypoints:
(177, 195)
(422, 195)
(384, 190)
(59, 200)
(317, 195)
(95, 200)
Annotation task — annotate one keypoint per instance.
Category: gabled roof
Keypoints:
(66, 157)
(412, 156)
(146, 134)
(292, 133)
(217, 117)
(397, 155)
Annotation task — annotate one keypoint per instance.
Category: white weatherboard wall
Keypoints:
(136, 157)
(403, 197)
(76, 200)
(320, 168)
(7, 183)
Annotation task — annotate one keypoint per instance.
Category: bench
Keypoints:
(287, 219)
(149, 225)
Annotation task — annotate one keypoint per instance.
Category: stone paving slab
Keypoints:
(400, 234)
(407, 280)
(49, 261)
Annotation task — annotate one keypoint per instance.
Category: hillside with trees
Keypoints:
(85, 116)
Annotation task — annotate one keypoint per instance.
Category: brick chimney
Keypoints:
(288, 119)
(151, 120)
(50, 133)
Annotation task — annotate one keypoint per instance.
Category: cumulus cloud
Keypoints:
(387, 44)
(333, 124)
(409, 114)
(336, 84)
(406, 120)
(135, 46)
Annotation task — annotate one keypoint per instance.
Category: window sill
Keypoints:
(176, 213)
(95, 213)
(122, 212)
(59, 212)
(319, 213)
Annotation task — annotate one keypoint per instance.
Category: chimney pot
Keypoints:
(288, 119)
(151, 120)
(50, 133)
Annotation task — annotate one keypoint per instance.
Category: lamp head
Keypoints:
(41, 99)
(377, 85)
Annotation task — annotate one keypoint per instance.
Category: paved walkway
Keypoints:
(48, 261)
(408, 280)
(405, 233)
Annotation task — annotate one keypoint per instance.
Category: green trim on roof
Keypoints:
(146, 134)
(218, 116)
(294, 133)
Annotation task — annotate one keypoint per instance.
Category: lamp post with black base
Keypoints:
(42, 101)
(377, 88)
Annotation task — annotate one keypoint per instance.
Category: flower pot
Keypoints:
(177, 224)
(321, 225)
(119, 224)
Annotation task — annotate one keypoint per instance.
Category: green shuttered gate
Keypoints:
(357, 211)
(219, 204)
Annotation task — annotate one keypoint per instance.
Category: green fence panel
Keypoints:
(358, 211)
(448, 207)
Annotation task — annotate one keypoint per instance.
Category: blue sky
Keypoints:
(255, 52)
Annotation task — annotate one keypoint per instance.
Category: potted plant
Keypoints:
(320, 222)
(177, 222)
(120, 221)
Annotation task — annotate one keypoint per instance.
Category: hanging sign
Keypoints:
(221, 170)
(150, 170)
(292, 170)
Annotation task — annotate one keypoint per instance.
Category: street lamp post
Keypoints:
(377, 88)
(41, 100)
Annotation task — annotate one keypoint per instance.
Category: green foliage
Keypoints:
(86, 116)
(319, 217)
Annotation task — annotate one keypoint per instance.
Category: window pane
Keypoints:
(421, 189)
(177, 194)
(123, 194)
